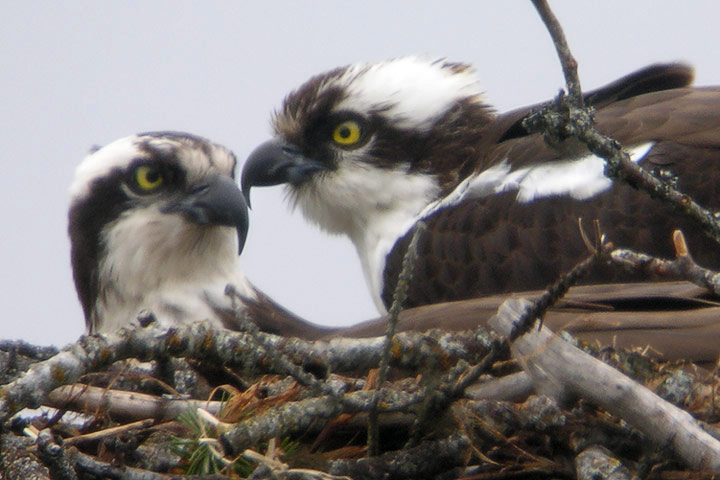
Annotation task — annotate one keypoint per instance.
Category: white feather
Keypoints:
(373, 206)
(414, 90)
(166, 265)
(119, 154)
(581, 179)
(100, 163)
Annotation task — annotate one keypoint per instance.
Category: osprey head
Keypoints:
(156, 223)
(364, 149)
(371, 138)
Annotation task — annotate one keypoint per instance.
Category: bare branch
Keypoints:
(568, 118)
(300, 416)
(238, 350)
(109, 432)
(55, 457)
(569, 65)
(423, 461)
(87, 464)
(124, 404)
(282, 471)
(560, 370)
(399, 297)
(683, 267)
(457, 381)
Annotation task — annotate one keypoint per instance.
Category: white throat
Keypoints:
(374, 207)
(163, 264)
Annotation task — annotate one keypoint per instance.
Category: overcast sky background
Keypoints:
(83, 73)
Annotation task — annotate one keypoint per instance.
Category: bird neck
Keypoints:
(167, 266)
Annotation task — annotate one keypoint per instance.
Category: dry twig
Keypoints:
(560, 370)
(124, 404)
(238, 350)
(399, 297)
(423, 461)
(300, 416)
(683, 266)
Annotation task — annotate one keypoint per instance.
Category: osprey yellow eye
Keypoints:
(148, 178)
(347, 133)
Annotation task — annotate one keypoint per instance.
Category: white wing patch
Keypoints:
(477, 185)
(580, 178)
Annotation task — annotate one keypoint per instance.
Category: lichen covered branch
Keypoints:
(567, 117)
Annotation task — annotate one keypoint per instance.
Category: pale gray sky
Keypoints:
(79, 73)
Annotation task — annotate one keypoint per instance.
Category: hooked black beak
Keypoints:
(275, 162)
(217, 202)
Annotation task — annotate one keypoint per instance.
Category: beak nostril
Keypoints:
(199, 190)
(290, 150)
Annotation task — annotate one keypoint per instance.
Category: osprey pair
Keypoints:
(156, 220)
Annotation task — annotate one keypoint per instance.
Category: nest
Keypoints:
(197, 401)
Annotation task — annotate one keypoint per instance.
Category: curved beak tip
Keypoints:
(246, 194)
(242, 237)
(239, 217)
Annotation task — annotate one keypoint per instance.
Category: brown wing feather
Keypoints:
(271, 317)
(496, 244)
(688, 116)
(672, 318)
(654, 78)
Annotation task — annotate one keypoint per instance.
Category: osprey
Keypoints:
(156, 224)
(369, 150)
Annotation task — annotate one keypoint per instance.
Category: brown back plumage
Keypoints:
(496, 244)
